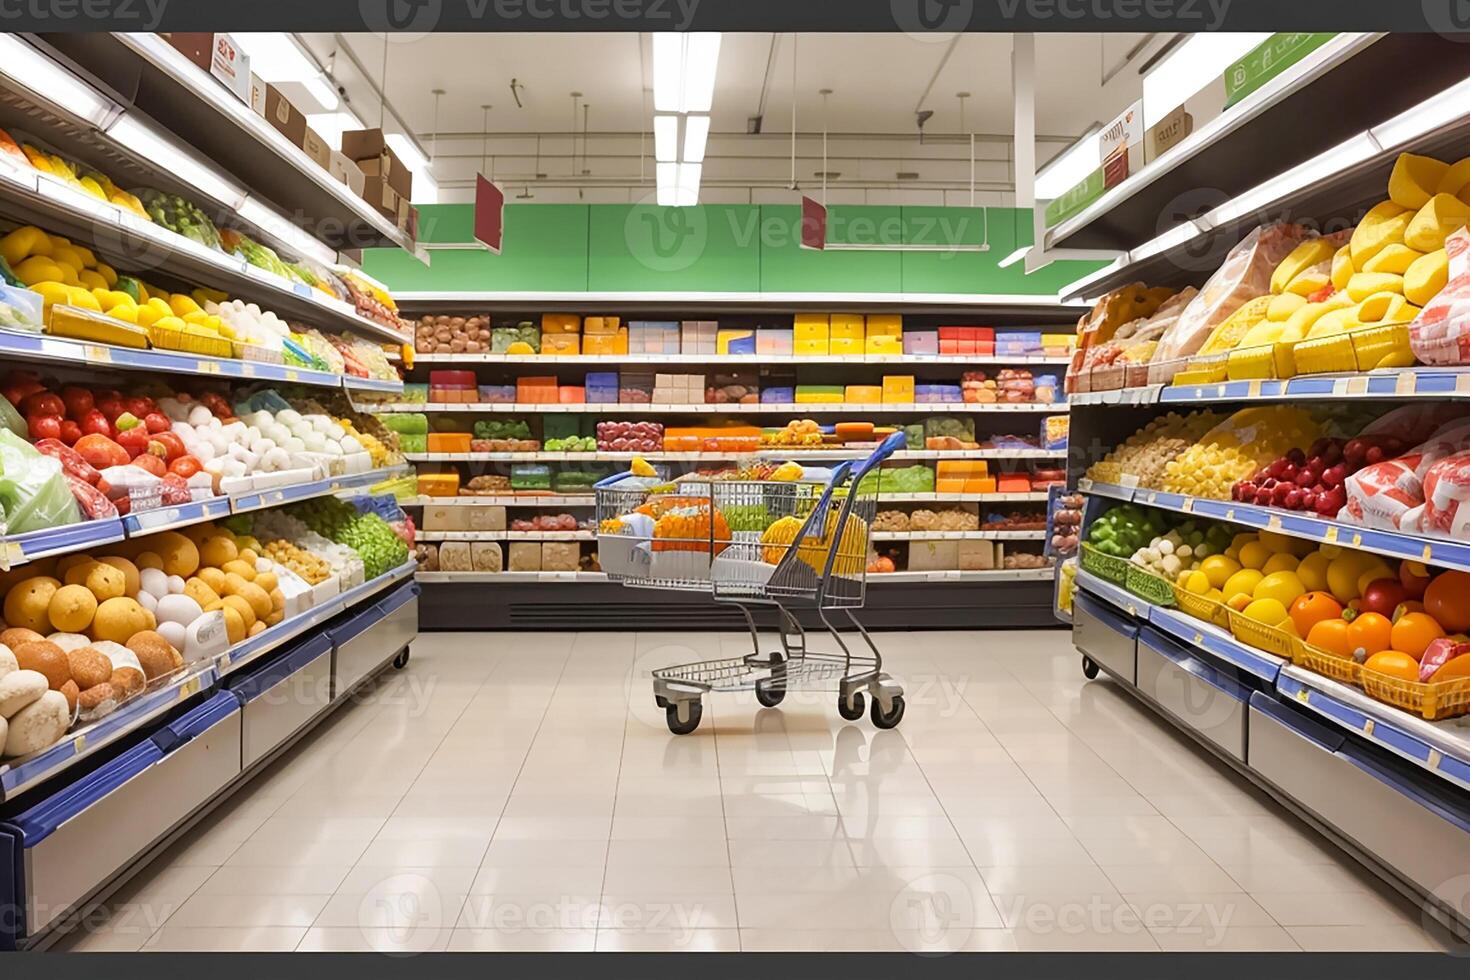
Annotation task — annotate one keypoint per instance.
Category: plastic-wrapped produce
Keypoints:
(1445, 512)
(1440, 333)
(502, 429)
(411, 423)
(530, 476)
(1392, 494)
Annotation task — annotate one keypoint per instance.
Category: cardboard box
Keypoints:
(287, 119)
(487, 517)
(406, 218)
(1166, 134)
(346, 171)
(219, 55)
(317, 148)
(382, 197)
(448, 518)
(257, 95)
(370, 149)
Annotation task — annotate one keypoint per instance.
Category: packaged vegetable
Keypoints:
(34, 493)
(1440, 334)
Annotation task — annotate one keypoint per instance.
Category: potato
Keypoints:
(154, 652)
(71, 692)
(106, 582)
(214, 578)
(27, 603)
(46, 658)
(71, 608)
(235, 627)
(200, 592)
(66, 563)
(243, 608)
(129, 570)
(89, 667)
(258, 598)
(258, 627)
(127, 680)
(246, 570)
(16, 635)
(77, 572)
(180, 555)
(266, 580)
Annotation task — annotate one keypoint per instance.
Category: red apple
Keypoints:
(1414, 577)
(1383, 596)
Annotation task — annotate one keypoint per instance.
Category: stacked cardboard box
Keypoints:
(387, 183)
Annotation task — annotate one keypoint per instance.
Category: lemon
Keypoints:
(1243, 582)
(1254, 554)
(1268, 611)
(1218, 569)
(1313, 571)
(1197, 582)
(1284, 587)
(1282, 561)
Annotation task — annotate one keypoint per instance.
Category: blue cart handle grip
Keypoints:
(889, 446)
(608, 481)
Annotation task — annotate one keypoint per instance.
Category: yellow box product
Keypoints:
(898, 389)
(601, 325)
(820, 394)
(561, 344)
(949, 484)
(863, 394)
(980, 484)
(811, 326)
(961, 469)
(810, 346)
(78, 324)
(560, 323)
(885, 344)
(439, 484)
(846, 326)
(1326, 355)
(845, 345)
(726, 337)
(605, 343)
(885, 325)
(1382, 346)
(1058, 340)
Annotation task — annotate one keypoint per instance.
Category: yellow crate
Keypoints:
(189, 343)
(1342, 669)
(1372, 344)
(1259, 635)
(1201, 608)
(1267, 362)
(1212, 374)
(1433, 702)
(1326, 355)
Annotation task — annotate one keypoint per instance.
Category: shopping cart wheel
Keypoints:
(660, 700)
(770, 693)
(1089, 668)
(891, 717)
(696, 710)
(854, 713)
(401, 661)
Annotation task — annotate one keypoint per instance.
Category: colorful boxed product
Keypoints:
(525, 332)
(863, 394)
(885, 325)
(735, 341)
(530, 476)
(929, 394)
(525, 556)
(778, 395)
(884, 345)
(559, 323)
(601, 325)
(811, 333)
(635, 389)
(820, 394)
(1013, 483)
(1054, 429)
(445, 517)
(1018, 342)
(977, 556)
(934, 556)
(415, 391)
(980, 484)
(845, 333)
(571, 394)
(653, 337)
(536, 391)
(1059, 344)
(769, 340)
(921, 343)
(484, 517)
(449, 442)
(561, 344)
(898, 389)
(413, 442)
(606, 344)
(739, 387)
(698, 336)
(438, 484)
(498, 394)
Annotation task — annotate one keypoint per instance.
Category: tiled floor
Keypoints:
(521, 792)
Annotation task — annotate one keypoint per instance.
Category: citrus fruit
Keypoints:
(1394, 663)
(1280, 562)
(1218, 569)
(1312, 608)
(1254, 555)
(1447, 599)
(1342, 577)
(1196, 582)
(1413, 632)
(1285, 544)
(1453, 669)
(1370, 633)
(1373, 570)
(1268, 611)
(1331, 636)
(1284, 587)
(1312, 570)
(1243, 581)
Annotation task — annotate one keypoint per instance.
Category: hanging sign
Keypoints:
(813, 224)
(489, 214)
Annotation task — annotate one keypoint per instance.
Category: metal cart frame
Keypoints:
(822, 567)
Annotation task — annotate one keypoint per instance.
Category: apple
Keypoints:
(1383, 596)
(1414, 577)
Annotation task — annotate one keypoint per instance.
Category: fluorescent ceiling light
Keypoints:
(277, 57)
(1426, 117)
(684, 67)
(322, 92)
(167, 156)
(34, 71)
(667, 175)
(1068, 168)
(666, 138)
(331, 125)
(678, 184)
(1197, 62)
(1014, 257)
(1178, 235)
(689, 176)
(696, 134)
(425, 189)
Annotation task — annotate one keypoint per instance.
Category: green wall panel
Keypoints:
(644, 247)
(719, 248)
(786, 267)
(545, 250)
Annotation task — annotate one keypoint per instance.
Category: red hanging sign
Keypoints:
(813, 224)
(489, 214)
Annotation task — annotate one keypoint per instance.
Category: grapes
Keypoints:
(374, 540)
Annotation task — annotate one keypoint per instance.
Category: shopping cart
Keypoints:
(748, 543)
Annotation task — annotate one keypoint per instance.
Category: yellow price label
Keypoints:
(188, 689)
(1357, 539)
(1330, 535)
(1199, 638)
(1303, 695)
(209, 367)
(1434, 759)
(293, 375)
(1188, 506)
(97, 353)
(1254, 389)
(1427, 553)
(1357, 386)
(1230, 514)
(1462, 385)
(1368, 727)
(1220, 391)
(11, 554)
(79, 745)
(1274, 523)
(1406, 383)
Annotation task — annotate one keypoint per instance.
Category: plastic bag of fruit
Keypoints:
(1440, 334)
(1444, 512)
(1244, 275)
(1391, 493)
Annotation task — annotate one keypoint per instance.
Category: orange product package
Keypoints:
(691, 529)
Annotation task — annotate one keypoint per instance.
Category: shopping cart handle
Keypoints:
(889, 446)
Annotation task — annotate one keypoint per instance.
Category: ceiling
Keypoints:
(878, 83)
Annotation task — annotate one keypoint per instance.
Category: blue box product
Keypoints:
(498, 394)
(929, 394)
(741, 345)
(923, 342)
(1018, 342)
(601, 379)
(1054, 432)
(778, 396)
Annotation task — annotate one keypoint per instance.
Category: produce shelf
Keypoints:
(430, 577)
(21, 548)
(1006, 309)
(1442, 748)
(31, 197)
(1440, 383)
(252, 649)
(1290, 119)
(897, 360)
(708, 457)
(179, 515)
(584, 535)
(588, 500)
(40, 347)
(164, 85)
(276, 496)
(1436, 551)
(772, 408)
(996, 575)
(1114, 595)
(19, 775)
(1212, 639)
(958, 535)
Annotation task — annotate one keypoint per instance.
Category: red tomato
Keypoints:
(44, 427)
(173, 446)
(152, 464)
(134, 440)
(43, 403)
(78, 401)
(95, 422)
(70, 432)
(157, 422)
(185, 466)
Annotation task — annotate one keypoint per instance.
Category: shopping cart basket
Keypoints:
(757, 543)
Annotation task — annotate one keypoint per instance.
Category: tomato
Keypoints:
(70, 432)
(44, 427)
(185, 466)
(173, 445)
(95, 422)
(156, 422)
(110, 407)
(134, 441)
(139, 406)
(151, 464)
(43, 403)
(78, 401)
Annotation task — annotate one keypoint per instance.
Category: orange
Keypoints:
(1370, 633)
(1310, 609)
(1413, 632)
(1448, 600)
(1453, 669)
(1394, 663)
(1331, 636)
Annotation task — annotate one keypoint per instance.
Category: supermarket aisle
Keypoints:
(506, 792)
